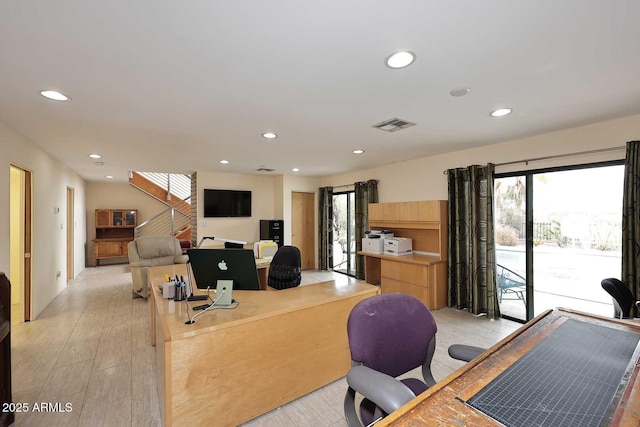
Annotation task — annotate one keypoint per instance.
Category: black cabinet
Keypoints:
(6, 416)
(272, 229)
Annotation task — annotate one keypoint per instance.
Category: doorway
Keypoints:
(344, 237)
(557, 235)
(302, 227)
(70, 231)
(20, 243)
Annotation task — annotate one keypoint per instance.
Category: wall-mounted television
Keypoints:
(227, 203)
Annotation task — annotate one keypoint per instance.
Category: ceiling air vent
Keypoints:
(264, 169)
(393, 125)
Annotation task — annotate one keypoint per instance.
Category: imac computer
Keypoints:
(211, 265)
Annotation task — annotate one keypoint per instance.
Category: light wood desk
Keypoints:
(443, 404)
(235, 364)
(424, 277)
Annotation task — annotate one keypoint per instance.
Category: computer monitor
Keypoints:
(211, 265)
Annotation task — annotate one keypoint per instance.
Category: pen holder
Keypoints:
(180, 293)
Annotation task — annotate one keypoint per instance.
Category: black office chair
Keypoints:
(284, 269)
(389, 335)
(622, 297)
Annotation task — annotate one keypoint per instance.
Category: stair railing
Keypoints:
(168, 222)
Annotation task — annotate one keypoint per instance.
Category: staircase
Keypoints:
(174, 190)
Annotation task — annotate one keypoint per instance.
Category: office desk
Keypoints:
(235, 364)
(443, 404)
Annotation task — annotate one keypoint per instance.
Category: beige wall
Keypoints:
(50, 182)
(263, 193)
(116, 195)
(423, 178)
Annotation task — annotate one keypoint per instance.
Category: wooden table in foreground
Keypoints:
(232, 365)
(443, 404)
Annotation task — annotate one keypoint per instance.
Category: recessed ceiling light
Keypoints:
(95, 156)
(358, 151)
(224, 162)
(269, 135)
(52, 94)
(109, 176)
(401, 59)
(460, 91)
(295, 170)
(501, 112)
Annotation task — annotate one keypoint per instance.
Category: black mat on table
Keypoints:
(568, 379)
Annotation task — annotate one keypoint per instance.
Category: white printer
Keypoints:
(373, 242)
(398, 246)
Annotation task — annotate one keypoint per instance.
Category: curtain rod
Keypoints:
(557, 156)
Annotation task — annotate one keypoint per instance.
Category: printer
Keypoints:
(398, 246)
(373, 242)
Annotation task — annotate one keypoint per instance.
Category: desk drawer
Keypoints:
(410, 273)
(424, 294)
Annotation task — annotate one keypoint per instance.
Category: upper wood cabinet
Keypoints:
(110, 218)
(426, 222)
(427, 214)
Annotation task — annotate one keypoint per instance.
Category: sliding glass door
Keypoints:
(558, 234)
(344, 242)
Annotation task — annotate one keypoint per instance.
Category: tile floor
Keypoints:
(89, 351)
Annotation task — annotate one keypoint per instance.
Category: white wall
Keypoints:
(423, 178)
(263, 192)
(50, 182)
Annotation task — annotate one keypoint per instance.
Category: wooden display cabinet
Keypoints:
(114, 231)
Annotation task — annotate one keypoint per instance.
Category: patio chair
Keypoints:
(511, 285)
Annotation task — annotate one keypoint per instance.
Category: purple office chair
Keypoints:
(389, 335)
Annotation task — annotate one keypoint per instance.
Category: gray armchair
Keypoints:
(151, 251)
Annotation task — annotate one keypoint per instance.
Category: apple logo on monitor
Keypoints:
(222, 265)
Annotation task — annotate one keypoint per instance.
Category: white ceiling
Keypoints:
(176, 86)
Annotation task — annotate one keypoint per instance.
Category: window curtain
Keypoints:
(365, 193)
(631, 219)
(325, 228)
(471, 260)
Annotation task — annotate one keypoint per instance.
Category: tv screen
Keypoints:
(227, 203)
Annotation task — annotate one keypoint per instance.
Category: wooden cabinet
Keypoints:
(114, 231)
(109, 218)
(422, 276)
(425, 222)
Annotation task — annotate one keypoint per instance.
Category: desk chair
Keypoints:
(389, 335)
(622, 297)
(284, 269)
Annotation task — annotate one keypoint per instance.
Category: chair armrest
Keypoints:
(465, 353)
(383, 390)
(181, 259)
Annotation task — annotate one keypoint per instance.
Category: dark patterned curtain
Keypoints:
(471, 260)
(325, 228)
(631, 219)
(365, 193)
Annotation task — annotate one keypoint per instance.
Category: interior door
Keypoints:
(20, 242)
(303, 226)
(70, 230)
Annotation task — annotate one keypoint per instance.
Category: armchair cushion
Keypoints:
(152, 251)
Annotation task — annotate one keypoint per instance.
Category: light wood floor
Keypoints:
(90, 348)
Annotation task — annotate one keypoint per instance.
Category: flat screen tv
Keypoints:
(227, 203)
